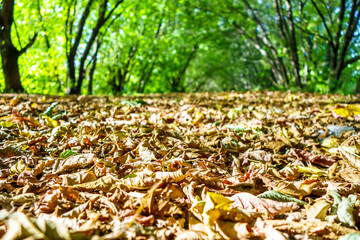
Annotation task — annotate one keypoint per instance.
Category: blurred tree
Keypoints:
(340, 22)
(9, 53)
(79, 45)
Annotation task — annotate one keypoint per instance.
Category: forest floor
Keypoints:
(252, 165)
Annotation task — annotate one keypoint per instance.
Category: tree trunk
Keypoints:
(10, 66)
(293, 45)
(74, 49)
(71, 76)
(176, 81)
(339, 49)
(9, 54)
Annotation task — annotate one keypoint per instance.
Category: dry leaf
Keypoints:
(268, 207)
(76, 161)
(318, 210)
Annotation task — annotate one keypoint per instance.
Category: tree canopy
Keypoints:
(124, 46)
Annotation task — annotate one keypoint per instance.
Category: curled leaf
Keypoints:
(106, 184)
(18, 167)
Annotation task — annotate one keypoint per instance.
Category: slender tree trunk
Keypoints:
(176, 81)
(71, 75)
(293, 44)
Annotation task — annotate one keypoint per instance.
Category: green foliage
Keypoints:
(67, 153)
(174, 46)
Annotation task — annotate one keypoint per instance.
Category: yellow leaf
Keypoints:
(347, 111)
(51, 122)
(318, 210)
(220, 202)
(211, 213)
(18, 167)
(233, 113)
(6, 124)
(198, 117)
(330, 142)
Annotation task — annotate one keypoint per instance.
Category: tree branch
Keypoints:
(17, 34)
(341, 19)
(31, 42)
(311, 33)
(83, 18)
(113, 9)
(68, 28)
(350, 61)
(325, 25)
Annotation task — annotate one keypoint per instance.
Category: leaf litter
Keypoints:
(253, 165)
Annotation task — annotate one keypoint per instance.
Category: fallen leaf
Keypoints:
(345, 210)
(268, 207)
(76, 161)
(350, 236)
(107, 183)
(280, 197)
(318, 210)
(348, 110)
(324, 161)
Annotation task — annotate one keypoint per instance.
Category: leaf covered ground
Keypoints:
(254, 165)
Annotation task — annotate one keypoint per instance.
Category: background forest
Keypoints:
(133, 46)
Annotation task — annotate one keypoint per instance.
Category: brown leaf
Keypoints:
(106, 184)
(268, 207)
(350, 151)
(318, 210)
(305, 187)
(77, 178)
(306, 156)
(76, 161)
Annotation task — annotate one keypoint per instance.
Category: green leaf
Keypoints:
(134, 103)
(337, 200)
(58, 116)
(132, 175)
(48, 111)
(281, 197)
(238, 128)
(351, 236)
(345, 211)
(67, 153)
